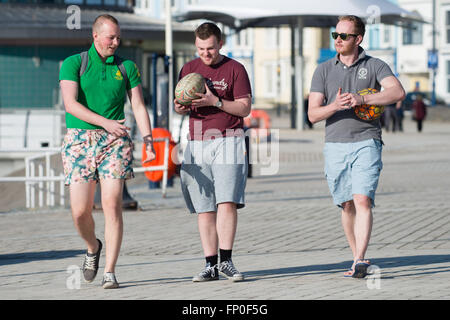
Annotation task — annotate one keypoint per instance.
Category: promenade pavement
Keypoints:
(289, 244)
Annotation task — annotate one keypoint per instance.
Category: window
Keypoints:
(143, 4)
(270, 80)
(272, 39)
(242, 38)
(374, 37)
(447, 25)
(412, 33)
(120, 3)
(448, 76)
(387, 33)
(276, 78)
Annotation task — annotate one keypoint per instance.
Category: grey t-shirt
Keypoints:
(366, 72)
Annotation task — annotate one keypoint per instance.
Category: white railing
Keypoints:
(36, 178)
(164, 167)
(45, 179)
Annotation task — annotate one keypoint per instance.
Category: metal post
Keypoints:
(32, 185)
(51, 192)
(166, 166)
(278, 73)
(169, 53)
(25, 133)
(433, 91)
(27, 184)
(299, 76)
(41, 185)
(61, 192)
(155, 90)
(293, 93)
(47, 173)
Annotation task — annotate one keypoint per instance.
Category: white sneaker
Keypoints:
(228, 269)
(208, 274)
(109, 281)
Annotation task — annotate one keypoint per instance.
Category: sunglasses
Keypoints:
(344, 36)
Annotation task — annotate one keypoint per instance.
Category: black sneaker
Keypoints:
(208, 274)
(228, 269)
(90, 263)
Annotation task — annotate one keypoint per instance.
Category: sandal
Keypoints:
(360, 268)
(348, 273)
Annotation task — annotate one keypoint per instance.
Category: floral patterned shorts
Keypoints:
(90, 155)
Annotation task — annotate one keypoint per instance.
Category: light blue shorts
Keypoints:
(353, 168)
(214, 172)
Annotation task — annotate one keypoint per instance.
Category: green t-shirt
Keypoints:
(101, 89)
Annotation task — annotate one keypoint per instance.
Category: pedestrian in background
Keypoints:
(400, 115)
(305, 107)
(390, 117)
(419, 112)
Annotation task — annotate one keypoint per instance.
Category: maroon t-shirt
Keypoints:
(227, 80)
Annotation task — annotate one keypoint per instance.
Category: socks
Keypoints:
(212, 260)
(224, 256)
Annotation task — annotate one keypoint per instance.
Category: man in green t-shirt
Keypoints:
(97, 146)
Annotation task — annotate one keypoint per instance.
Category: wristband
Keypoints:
(148, 138)
(362, 98)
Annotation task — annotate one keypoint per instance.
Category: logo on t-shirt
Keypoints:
(118, 75)
(362, 73)
(220, 85)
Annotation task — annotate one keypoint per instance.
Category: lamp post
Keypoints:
(434, 53)
(169, 54)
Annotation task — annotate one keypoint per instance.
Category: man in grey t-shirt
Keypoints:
(352, 146)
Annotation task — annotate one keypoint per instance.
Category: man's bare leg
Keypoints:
(112, 190)
(348, 223)
(363, 224)
(226, 224)
(82, 202)
(208, 232)
(357, 223)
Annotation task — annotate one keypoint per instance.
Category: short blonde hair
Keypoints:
(360, 26)
(101, 18)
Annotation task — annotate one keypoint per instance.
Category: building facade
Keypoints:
(414, 43)
(37, 35)
(443, 43)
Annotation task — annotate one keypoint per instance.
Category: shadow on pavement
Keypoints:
(406, 263)
(293, 175)
(15, 258)
(157, 281)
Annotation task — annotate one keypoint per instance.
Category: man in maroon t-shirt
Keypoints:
(214, 170)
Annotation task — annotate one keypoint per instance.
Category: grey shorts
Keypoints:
(214, 172)
(353, 168)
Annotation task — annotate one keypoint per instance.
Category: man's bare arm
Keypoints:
(69, 91)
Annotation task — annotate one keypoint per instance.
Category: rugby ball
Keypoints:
(368, 112)
(188, 86)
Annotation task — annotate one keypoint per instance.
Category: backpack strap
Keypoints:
(84, 62)
(119, 62)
